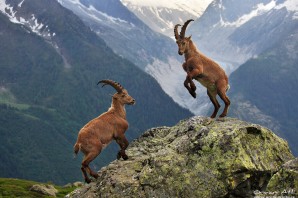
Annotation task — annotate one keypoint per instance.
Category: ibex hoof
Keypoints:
(125, 157)
(95, 175)
(193, 94)
(87, 180)
(223, 115)
(118, 156)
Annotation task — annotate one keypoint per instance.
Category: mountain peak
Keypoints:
(260, 9)
(194, 6)
(198, 157)
(161, 16)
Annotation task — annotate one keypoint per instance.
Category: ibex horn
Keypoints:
(182, 32)
(176, 31)
(114, 84)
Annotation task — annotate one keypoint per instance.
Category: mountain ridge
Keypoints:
(271, 92)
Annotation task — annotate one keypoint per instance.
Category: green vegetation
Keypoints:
(6, 97)
(20, 188)
(34, 143)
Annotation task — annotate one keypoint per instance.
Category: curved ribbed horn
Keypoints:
(182, 32)
(176, 31)
(114, 84)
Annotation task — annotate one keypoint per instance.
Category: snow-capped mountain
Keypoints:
(162, 15)
(29, 20)
(233, 32)
(127, 35)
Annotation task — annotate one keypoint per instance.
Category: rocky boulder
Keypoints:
(198, 157)
(48, 189)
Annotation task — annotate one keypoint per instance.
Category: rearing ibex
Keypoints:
(203, 69)
(100, 131)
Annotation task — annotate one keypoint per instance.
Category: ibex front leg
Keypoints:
(123, 143)
(191, 73)
(190, 86)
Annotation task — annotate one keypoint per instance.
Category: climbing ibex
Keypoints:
(203, 69)
(100, 131)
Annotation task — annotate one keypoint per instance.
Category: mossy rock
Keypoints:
(285, 181)
(198, 157)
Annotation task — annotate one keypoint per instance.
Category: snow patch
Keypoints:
(8, 11)
(259, 10)
(20, 4)
(32, 22)
(171, 76)
(290, 5)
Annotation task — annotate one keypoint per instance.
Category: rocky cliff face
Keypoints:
(199, 157)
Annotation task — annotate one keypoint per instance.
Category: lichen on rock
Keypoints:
(285, 181)
(198, 157)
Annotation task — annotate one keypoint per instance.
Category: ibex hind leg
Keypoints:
(92, 173)
(222, 94)
(85, 165)
(214, 102)
(227, 102)
(87, 179)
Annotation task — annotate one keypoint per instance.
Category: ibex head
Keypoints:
(181, 40)
(122, 95)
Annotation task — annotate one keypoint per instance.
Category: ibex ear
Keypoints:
(113, 96)
(188, 38)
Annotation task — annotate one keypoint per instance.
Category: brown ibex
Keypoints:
(203, 69)
(100, 131)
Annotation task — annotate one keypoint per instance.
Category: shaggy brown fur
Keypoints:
(100, 131)
(203, 69)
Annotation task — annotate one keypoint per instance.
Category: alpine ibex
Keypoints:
(203, 69)
(100, 131)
